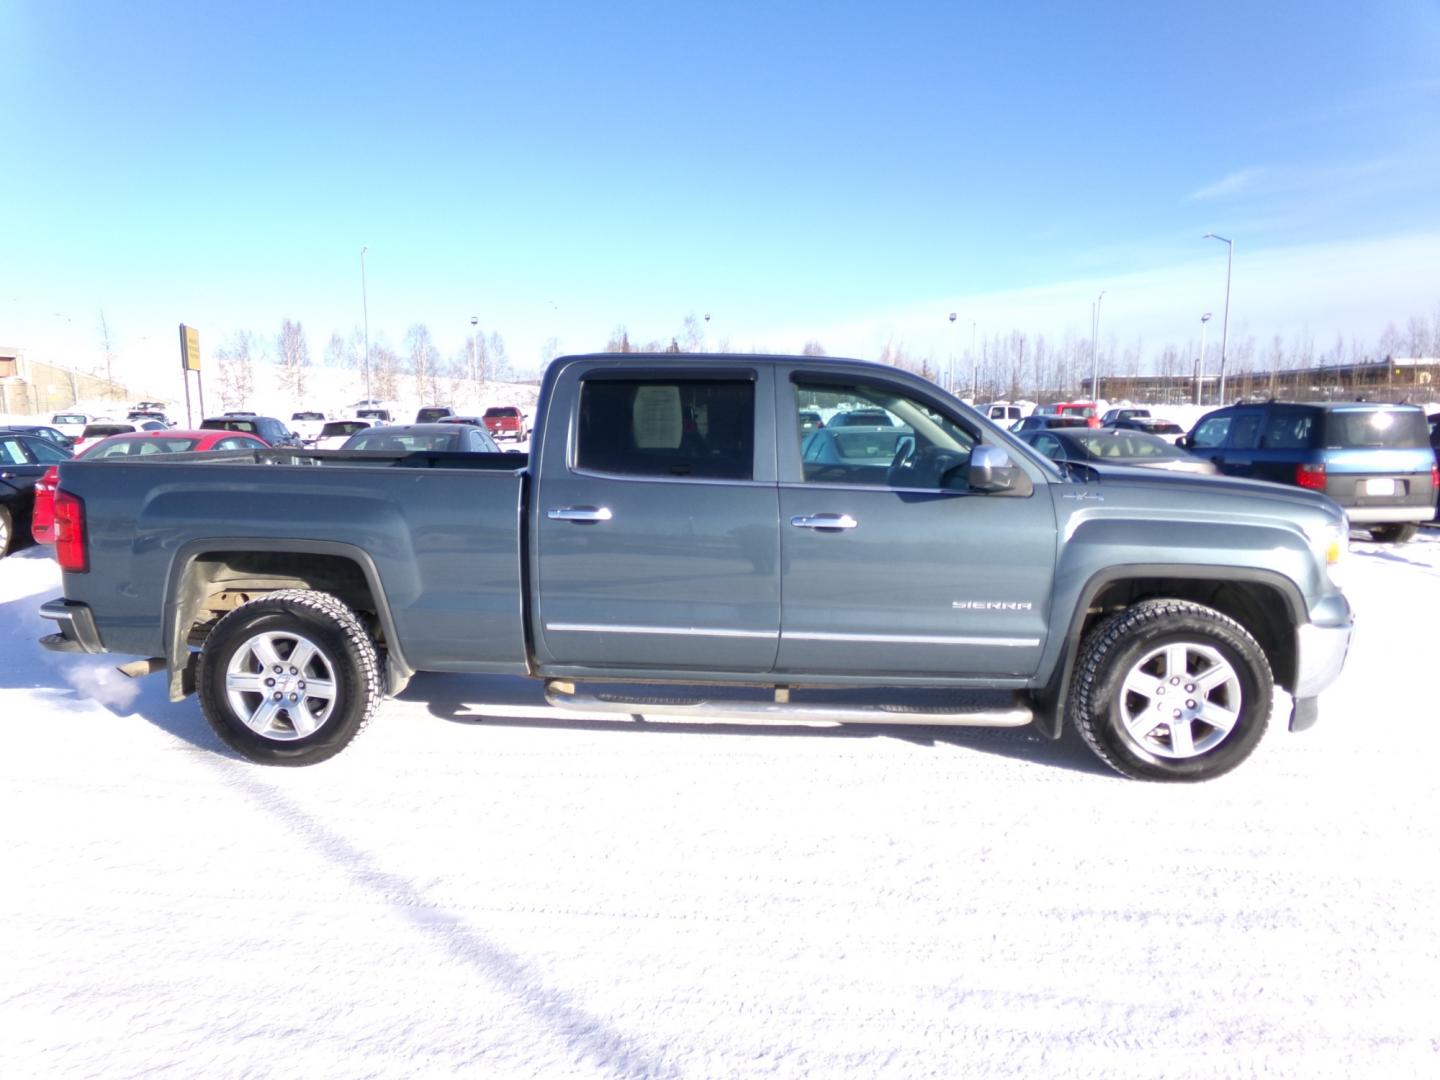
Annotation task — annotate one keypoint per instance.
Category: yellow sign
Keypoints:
(189, 348)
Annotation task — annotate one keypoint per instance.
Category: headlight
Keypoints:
(1331, 544)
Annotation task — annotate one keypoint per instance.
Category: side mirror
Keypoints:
(1183, 442)
(992, 470)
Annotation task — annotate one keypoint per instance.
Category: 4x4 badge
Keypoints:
(1083, 495)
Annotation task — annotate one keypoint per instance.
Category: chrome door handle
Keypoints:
(824, 521)
(579, 513)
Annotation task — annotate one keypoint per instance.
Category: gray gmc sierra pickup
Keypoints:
(677, 522)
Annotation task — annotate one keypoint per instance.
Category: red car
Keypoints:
(132, 444)
(506, 422)
(1084, 409)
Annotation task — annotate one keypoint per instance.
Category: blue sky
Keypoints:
(844, 172)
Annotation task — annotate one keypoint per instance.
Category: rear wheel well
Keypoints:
(218, 582)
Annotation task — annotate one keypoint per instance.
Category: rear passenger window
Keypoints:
(1245, 431)
(1289, 431)
(668, 427)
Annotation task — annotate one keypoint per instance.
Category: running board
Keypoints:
(561, 694)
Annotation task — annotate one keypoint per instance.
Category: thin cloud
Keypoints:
(1237, 183)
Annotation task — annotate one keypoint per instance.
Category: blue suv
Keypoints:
(1374, 460)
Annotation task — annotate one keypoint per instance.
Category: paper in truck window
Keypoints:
(656, 418)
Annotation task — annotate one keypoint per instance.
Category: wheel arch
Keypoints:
(1267, 604)
(205, 569)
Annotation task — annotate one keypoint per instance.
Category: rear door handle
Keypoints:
(579, 513)
(824, 521)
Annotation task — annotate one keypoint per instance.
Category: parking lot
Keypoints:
(483, 886)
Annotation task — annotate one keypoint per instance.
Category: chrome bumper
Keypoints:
(1320, 656)
(76, 625)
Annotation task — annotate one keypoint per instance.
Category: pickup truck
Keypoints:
(667, 528)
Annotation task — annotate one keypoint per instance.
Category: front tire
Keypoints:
(289, 678)
(1171, 690)
(1393, 534)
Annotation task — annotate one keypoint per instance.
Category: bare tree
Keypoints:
(384, 371)
(424, 362)
(294, 357)
(619, 340)
(335, 352)
(498, 359)
(692, 335)
(813, 348)
(235, 361)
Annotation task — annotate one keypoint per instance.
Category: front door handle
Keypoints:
(824, 521)
(579, 513)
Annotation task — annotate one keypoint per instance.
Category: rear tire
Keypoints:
(1393, 534)
(7, 531)
(289, 678)
(1171, 690)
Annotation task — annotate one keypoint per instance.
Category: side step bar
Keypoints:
(562, 695)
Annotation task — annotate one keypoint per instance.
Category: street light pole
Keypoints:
(974, 367)
(950, 367)
(365, 304)
(1225, 331)
(1094, 352)
(474, 353)
(1200, 366)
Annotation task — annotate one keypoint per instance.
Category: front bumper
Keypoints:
(76, 625)
(1320, 651)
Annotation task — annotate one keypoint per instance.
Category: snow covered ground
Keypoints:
(482, 887)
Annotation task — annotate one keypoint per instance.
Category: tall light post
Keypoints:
(950, 367)
(1225, 330)
(974, 367)
(1094, 352)
(1200, 364)
(475, 352)
(365, 305)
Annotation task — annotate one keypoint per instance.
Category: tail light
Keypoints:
(49, 481)
(1311, 476)
(1434, 477)
(71, 547)
(1093, 421)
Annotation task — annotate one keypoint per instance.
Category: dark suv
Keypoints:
(268, 428)
(1374, 460)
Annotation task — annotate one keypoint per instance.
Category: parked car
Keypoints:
(148, 414)
(23, 461)
(1434, 420)
(810, 420)
(128, 446)
(1168, 430)
(847, 453)
(410, 438)
(158, 406)
(307, 424)
(1374, 460)
(103, 429)
(72, 424)
(43, 431)
(1154, 612)
(375, 415)
(268, 428)
(1003, 413)
(506, 422)
(862, 418)
(433, 414)
(333, 435)
(1038, 421)
(1116, 446)
(1126, 413)
(1083, 409)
